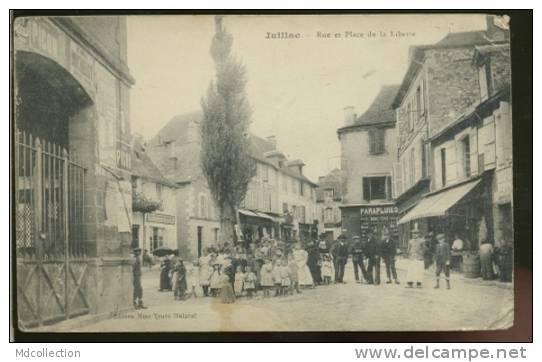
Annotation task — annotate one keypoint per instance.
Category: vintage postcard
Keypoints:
(249, 173)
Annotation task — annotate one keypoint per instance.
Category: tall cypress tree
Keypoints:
(225, 154)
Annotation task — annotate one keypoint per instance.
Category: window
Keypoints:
(202, 206)
(466, 155)
(376, 188)
(328, 215)
(215, 232)
(484, 78)
(284, 207)
(301, 190)
(419, 107)
(329, 194)
(159, 192)
(302, 211)
(409, 117)
(412, 165)
(377, 138)
(443, 165)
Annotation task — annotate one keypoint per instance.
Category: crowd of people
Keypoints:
(274, 268)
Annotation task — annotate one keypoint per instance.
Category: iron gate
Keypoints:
(50, 239)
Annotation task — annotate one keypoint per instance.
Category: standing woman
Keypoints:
(205, 270)
(303, 272)
(180, 282)
(165, 282)
(415, 253)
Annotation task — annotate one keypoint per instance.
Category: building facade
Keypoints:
(329, 198)
(280, 201)
(154, 211)
(439, 161)
(73, 160)
(368, 151)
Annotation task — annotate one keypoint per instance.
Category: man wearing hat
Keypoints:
(415, 253)
(340, 255)
(136, 273)
(357, 259)
(442, 260)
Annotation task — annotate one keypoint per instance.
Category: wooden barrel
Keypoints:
(471, 266)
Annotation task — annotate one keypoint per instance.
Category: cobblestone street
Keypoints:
(469, 305)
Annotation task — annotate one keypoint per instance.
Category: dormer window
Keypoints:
(484, 78)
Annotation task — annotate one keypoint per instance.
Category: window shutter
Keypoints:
(366, 189)
(399, 179)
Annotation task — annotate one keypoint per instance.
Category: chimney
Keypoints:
(218, 24)
(349, 116)
(273, 141)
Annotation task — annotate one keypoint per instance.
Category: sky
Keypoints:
(297, 88)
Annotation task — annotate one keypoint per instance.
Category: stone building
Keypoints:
(73, 166)
(439, 88)
(280, 200)
(368, 151)
(154, 211)
(329, 197)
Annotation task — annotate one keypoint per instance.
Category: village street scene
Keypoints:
(263, 173)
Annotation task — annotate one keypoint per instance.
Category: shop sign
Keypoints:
(82, 66)
(161, 218)
(377, 218)
(44, 39)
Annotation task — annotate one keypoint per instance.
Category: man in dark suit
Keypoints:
(388, 249)
(136, 273)
(340, 256)
(372, 252)
(357, 259)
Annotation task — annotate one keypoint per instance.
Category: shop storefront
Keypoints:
(456, 211)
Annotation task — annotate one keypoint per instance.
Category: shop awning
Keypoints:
(438, 204)
(247, 212)
(257, 214)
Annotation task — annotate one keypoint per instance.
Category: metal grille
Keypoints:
(50, 236)
(50, 199)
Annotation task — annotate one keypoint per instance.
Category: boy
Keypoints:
(442, 260)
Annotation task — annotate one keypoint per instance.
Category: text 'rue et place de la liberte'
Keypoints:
(340, 35)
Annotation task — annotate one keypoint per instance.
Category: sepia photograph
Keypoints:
(262, 173)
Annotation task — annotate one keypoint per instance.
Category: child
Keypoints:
(277, 277)
(266, 277)
(442, 260)
(284, 277)
(239, 280)
(192, 278)
(327, 269)
(292, 265)
(250, 282)
(226, 290)
(215, 280)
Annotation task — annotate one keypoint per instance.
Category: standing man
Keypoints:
(486, 260)
(372, 253)
(442, 260)
(136, 273)
(357, 259)
(415, 253)
(340, 256)
(389, 249)
(314, 262)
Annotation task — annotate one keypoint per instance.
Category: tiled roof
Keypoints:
(142, 166)
(175, 130)
(333, 181)
(452, 40)
(463, 38)
(380, 110)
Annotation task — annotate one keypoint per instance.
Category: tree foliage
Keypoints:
(225, 154)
